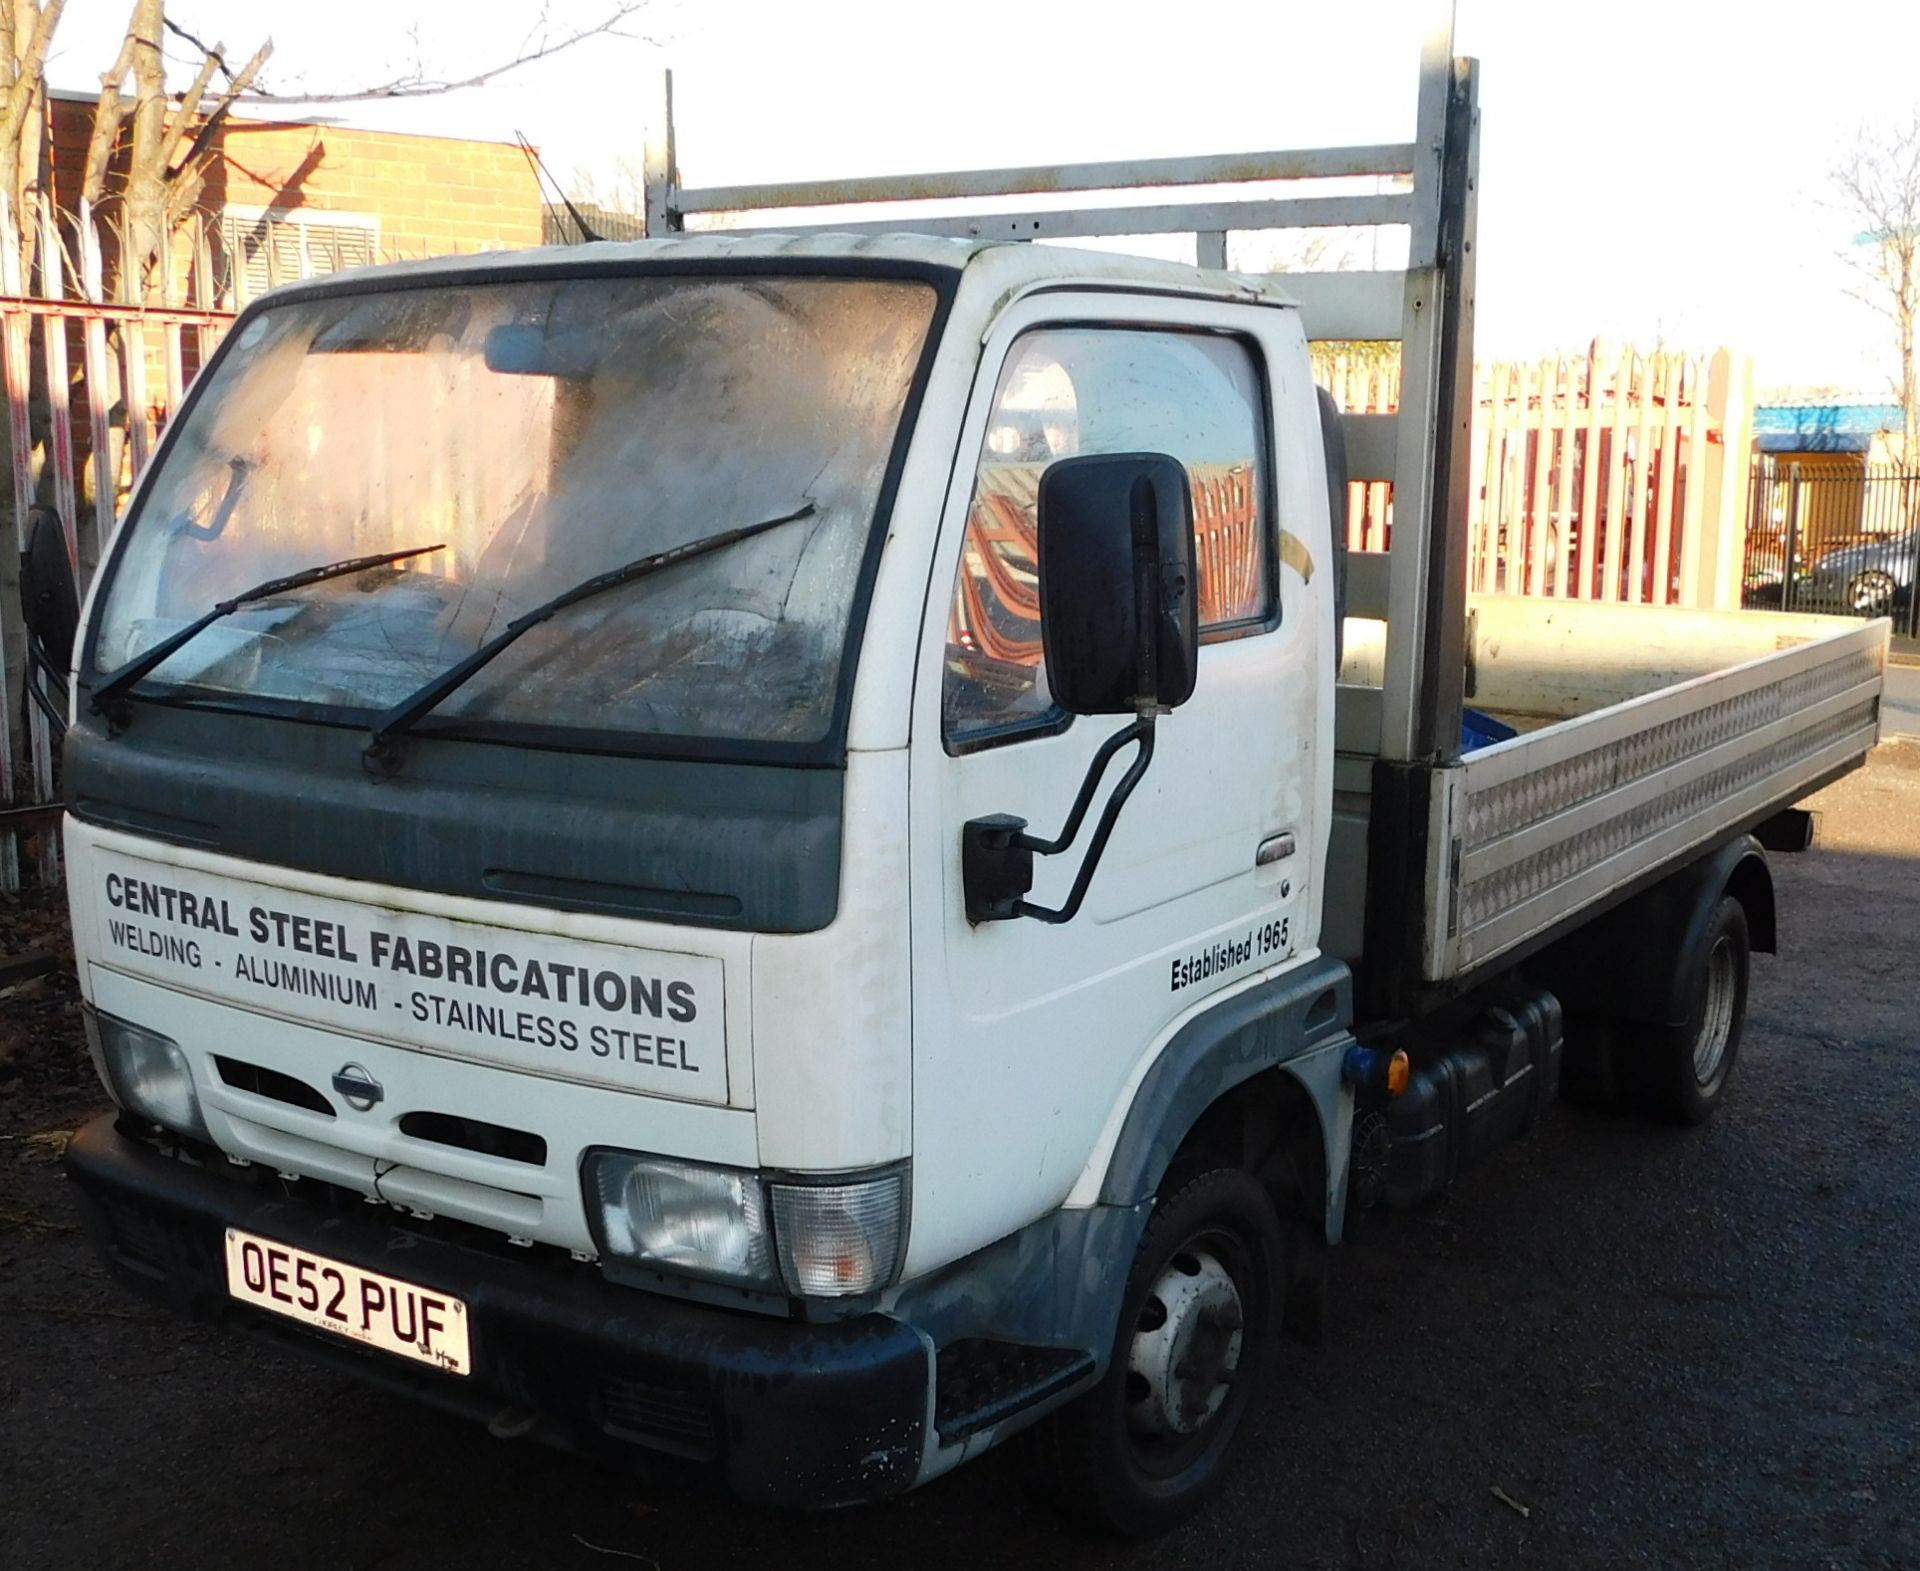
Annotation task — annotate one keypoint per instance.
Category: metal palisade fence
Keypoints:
(91, 382)
(1619, 475)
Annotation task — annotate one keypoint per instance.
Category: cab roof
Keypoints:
(1003, 267)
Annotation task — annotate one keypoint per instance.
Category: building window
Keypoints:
(268, 248)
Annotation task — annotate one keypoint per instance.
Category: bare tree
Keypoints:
(1877, 184)
(26, 28)
(166, 142)
(172, 141)
(623, 189)
(150, 149)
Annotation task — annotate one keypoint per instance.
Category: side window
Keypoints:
(1067, 391)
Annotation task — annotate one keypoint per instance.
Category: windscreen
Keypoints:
(540, 432)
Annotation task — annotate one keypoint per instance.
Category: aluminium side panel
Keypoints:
(1552, 822)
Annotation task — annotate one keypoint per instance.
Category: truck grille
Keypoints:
(476, 1134)
(258, 1080)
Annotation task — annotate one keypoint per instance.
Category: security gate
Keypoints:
(1843, 539)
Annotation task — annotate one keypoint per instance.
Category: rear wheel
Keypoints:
(1684, 1069)
(1145, 1447)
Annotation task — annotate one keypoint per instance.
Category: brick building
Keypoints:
(290, 199)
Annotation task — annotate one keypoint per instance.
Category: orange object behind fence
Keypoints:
(996, 612)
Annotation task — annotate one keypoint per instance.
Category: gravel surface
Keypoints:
(1612, 1346)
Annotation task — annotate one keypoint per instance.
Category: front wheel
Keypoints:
(1145, 1447)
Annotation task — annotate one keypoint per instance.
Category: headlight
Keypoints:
(724, 1225)
(701, 1221)
(147, 1073)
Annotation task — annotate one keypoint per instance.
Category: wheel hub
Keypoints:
(1186, 1346)
(1716, 1022)
(1872, 591)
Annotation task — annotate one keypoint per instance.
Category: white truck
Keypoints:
(650, 945)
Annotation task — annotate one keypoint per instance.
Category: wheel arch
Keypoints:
(1751, 883)
(1641, 960)
(1262, 1066)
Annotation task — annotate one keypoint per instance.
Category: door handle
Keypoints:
(1275, 848)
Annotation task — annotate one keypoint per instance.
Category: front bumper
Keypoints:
(776, 1411)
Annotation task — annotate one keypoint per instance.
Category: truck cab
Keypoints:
(648, 951)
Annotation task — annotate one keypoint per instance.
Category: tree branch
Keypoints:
(26, 81)
(1877, 183)
(108, 116)
(417, 84)
(182, 115)
(216, 117)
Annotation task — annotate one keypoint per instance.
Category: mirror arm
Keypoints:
(996, 853)
(1143, 730)
(42, 684)
(1139, 730)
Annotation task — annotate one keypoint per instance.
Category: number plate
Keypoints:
(362, 1306)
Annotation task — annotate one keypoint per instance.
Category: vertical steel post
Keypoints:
(1404, 730)
(1759, 514)
(1424, 674)
(16, 347)
(1910, 527)
(99, 428)
(53, 346)
(659, 174)
(1790, 557)
(1443, 666)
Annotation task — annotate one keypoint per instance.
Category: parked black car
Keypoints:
(1867, 578)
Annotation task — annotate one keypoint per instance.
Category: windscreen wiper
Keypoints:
(109, 697)
(383, 743)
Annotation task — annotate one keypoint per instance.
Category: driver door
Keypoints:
(1026, 1036)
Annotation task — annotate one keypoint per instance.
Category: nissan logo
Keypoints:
(358, 1087)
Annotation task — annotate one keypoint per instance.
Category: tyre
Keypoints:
(1872, 593)
(1143, 1449)
(1682, 1071)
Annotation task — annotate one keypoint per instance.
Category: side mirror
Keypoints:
(1119, 607)
(50, 607)
(1119, 624)
(49, 598)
